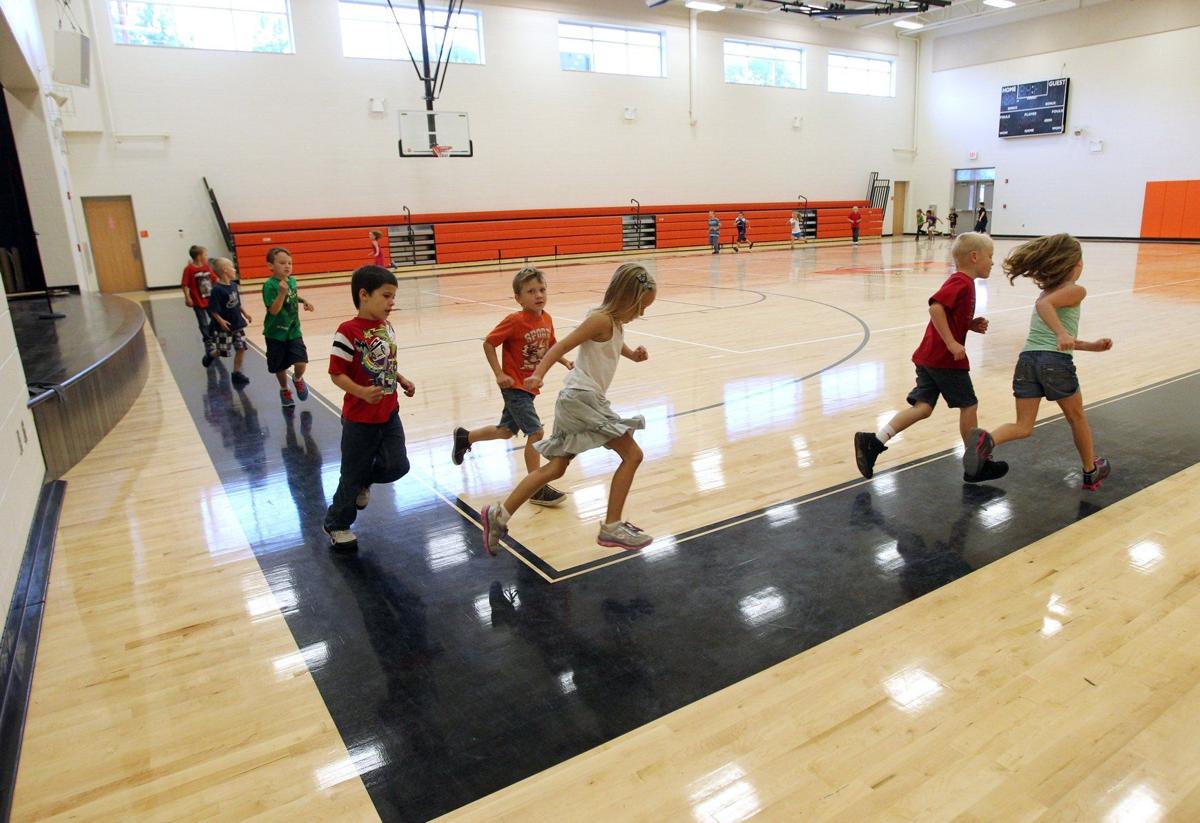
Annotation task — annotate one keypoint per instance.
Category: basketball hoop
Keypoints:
(441, 151)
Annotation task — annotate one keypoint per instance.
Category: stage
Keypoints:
(83, 370)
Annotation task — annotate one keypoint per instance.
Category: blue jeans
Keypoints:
(204, 321)
(371, 453)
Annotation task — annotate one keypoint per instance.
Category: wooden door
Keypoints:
(899, 207)
(115, 247)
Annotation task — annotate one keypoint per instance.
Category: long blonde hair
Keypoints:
(1048, 261)
(628, 288)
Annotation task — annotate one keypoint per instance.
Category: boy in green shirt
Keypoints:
(281, 326)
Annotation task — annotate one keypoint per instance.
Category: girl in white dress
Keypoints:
(583, 418)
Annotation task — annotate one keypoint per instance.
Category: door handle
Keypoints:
(137, 250)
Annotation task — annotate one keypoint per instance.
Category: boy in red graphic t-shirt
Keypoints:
(363, 365)
(197, 284)
(941, 359)
(526, 336)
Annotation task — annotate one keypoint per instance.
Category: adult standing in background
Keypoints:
(981, 218)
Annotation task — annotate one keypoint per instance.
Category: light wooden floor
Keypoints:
(167, 684)
(1060, 683)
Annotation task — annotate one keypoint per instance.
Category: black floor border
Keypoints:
(22, 630)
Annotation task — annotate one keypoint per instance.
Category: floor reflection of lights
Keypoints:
(1140, 804)
(590, 501)
(446, 549)
(887, 556)
(762, 606)
(724, 795)
(707, 470)
(273, 597)
(364, 758)
(311, 658)
(912, 690)
(1145, 555)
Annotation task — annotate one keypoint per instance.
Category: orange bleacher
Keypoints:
(339, 244)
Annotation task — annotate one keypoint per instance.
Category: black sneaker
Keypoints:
(978, 451)
(1100, 470)
(462, 445)
(238, 379)
(866, 449)
(547, 496)
(991, 470)
(207, 359)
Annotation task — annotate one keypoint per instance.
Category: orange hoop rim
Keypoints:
(441, 151)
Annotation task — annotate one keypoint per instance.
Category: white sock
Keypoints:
(503, 514)
(885, 434)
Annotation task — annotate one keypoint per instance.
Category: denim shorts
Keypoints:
(953, 384)
(1048, 374)
(519, 413)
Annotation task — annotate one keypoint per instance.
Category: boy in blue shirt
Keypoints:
(229, 319)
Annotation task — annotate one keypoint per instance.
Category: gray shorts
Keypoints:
(519, 413)
(1048, 374)
(953, 384)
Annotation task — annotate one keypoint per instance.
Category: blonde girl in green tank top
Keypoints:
(1045, 367)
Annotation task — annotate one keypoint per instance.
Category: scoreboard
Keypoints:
(1034, 108)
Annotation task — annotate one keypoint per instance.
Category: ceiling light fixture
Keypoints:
(908, 24)
(700, 5)
(999, 4)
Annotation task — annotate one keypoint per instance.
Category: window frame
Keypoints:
(891, 60)
(771, 44)
(438, 12)
(232, 10)
(627, 30)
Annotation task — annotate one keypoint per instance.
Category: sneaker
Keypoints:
(978, 451)
(990, 470)
(363, 499)
(866, 449)
(207, 359)
(493, 529)
(547, 496)
(1100, 470)
(239, 379)
(301, 388)
(462, 445)
(285, 399)
(623, 535)
(341, 539)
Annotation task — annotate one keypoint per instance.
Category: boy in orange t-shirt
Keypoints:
(525, 336)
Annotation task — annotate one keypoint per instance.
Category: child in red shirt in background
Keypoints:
(197, 284)
(363, 365)
(941, 359)
(855, 221)
(526, 336)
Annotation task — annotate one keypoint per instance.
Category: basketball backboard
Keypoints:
(420, 131)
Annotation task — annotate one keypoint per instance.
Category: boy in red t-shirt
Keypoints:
(526, 336)
(197, 284)
(941, 359)
(855, 221)
(363, 365)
